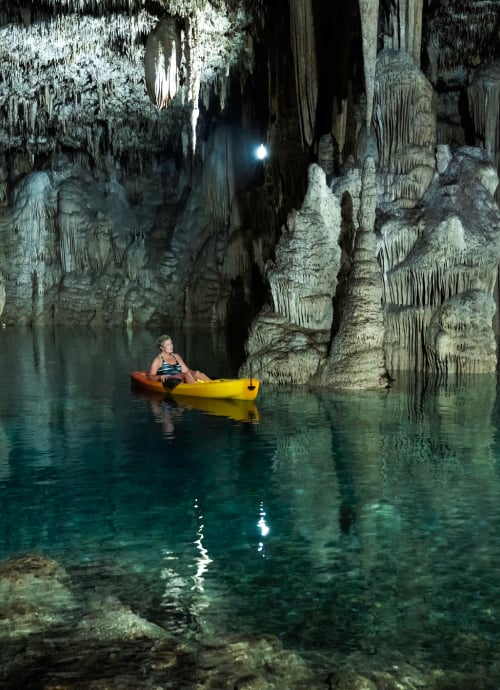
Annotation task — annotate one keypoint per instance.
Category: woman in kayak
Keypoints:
(169, 366)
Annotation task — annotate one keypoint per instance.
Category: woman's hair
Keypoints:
(161, 339)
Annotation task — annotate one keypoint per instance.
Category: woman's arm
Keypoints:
(184, 366)
(155, 365)
(191, 376)
(188, 374)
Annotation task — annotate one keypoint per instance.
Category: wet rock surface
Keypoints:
(107, 646)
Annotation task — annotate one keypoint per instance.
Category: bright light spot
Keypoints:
(203, 560)
(261, 152)
(262, 524)
(264, 529)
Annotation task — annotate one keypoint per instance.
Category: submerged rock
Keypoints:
(35, 594)
(115, 621)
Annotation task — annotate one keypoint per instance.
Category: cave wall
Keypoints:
(159, 109)
(129, 189)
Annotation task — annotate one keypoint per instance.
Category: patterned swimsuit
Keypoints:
(167, 369)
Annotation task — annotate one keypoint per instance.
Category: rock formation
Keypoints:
(440, 265)
(287, 341)
(356, 358)
(130, 194)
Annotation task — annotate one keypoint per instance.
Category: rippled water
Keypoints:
(346, 521)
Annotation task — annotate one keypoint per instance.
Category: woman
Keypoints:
(169, 366)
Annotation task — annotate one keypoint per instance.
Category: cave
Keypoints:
(131, 195)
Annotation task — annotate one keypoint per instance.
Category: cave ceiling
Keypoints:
(72, 72)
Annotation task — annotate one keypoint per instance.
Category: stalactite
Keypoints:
(403, 338)
(304, 54)
(484, 103)
(404, 123)
(161, 62)
(369, 30)
(464, 35)
(404, 31)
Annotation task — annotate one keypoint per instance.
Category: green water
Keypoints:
(346, 521)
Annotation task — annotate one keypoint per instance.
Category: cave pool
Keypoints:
(337, 522)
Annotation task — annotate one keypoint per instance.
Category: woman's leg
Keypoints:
(200, 376)
(190, 376)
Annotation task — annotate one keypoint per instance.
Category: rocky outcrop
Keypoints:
(356, 357)
(420, 290)
(288, 340)
(404, 121)
(440, 264)
(35, 595)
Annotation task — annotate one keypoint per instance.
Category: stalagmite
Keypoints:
(301, 290)
(356, 358)
(288, 339)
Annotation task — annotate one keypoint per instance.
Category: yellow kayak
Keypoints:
(234, 389)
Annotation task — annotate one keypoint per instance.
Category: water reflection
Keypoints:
(166, 412)
(203, 559)
(365, 522)
(398, 492)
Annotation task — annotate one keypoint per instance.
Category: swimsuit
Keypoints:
(167, 369)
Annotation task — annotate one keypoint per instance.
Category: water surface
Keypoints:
(334, 521)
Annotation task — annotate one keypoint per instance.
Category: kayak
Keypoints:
(234, 389)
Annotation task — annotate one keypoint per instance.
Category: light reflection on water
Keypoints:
(338, 520)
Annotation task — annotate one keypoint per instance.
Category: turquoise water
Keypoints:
(349, 521)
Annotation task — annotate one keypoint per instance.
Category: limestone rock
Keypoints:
(114, 621)
(35, 595)
(2, 294)
(449, 248)
(404, 120)
(356, 358)
(281, 352)
(460, 337)
(285, 344)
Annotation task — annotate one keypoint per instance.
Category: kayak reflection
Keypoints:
(239, 410)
